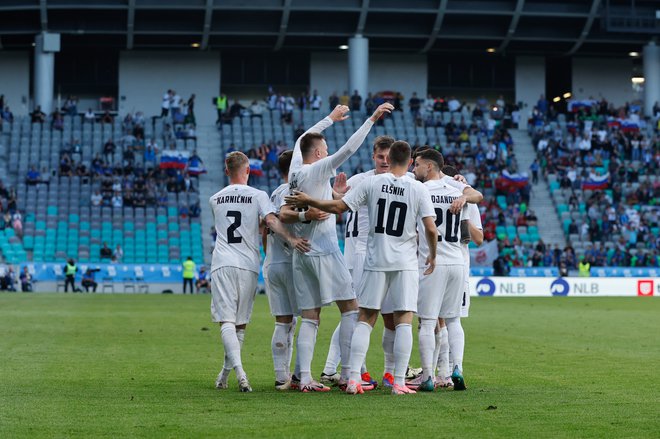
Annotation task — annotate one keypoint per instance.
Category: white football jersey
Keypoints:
(314, 180)
(237, 210)
(395, 204)
(278, 250)
(357, 223)
(448, 224)
(475, 218)
(454, 183)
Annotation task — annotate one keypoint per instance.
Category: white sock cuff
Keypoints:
(365, 324)
(286, 325)
(309, 322)
(228, 326)
(402, 325)
(428, 323)
(349, 313)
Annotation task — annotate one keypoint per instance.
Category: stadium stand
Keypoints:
(602, 165)
(146, 206)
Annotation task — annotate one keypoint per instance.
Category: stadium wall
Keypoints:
(530, 84)
(387, 71)
(15, 80)
(607, 78)
(145, 76)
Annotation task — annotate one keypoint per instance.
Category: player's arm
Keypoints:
(352, 145)
(274, 224)
(470, 195)
(301, 199)
(340, 186)
(476, 234)
(431, 232)
(289, 215)
(264, 239)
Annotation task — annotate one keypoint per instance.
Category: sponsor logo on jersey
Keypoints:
(485, 287)
(559, 287)
(645, 287)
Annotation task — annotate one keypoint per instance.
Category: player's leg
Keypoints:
(403, 341)
(443, 373)
(431, 290)
(329, 374)
(280, 350)
(451, 311)
(359, 348)
(388, 349)
(427, 347)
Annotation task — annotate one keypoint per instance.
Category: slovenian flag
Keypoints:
(596, 182)
(173, 159)
(256, 168)
(576, 105)
(629, 126)
(515, 180)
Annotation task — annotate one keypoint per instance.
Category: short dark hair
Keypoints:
(308, 141)
(383, 142)
(399, 153)
(420, 149)
(433, 156)
(449, 170)
(284, 162)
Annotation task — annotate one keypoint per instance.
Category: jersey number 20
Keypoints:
(451, 225)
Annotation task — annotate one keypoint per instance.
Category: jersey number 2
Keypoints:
(231, 238)
(396, 210)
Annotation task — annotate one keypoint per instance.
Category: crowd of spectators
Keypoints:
(606, 161)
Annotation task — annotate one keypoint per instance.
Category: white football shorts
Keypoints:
(232, 294)
(389, 291)
(279, 289)
(441, 292)
(321, 280)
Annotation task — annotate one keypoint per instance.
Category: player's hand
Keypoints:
(339, 185)
(339, 113)
(314, 214)
(382, 109)
(457, 205)
(431, 264)
(461, 178)
(300, 244)
(298, 199)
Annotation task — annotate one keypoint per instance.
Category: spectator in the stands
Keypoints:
(33, 176)
(202, 282)
(333, 100)
(235, 109)
(107, 117)
(88, 279)
(117, 200)
(8, 280)
(7, 115)
(118, 255)
(534, 168)
(315, 101)
(109, 150)
(89, 116)
(344, 99)
(256, 109)
(175, 105)
(105, 252)
(165, 103)
(26, 280)
(37, 115)
(57, 122)
(356, 101)
(70, 106)
(415, 104)
(542, 105)
(369, 104)
(96, 198)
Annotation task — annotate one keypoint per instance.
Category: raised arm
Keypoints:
(352, 145)
(338, 114)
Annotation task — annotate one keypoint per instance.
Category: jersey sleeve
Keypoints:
(296, 159)
(352, 145)
(456, 184)
(474, 216)
(357, 196)
(426, 208)
(265, 206)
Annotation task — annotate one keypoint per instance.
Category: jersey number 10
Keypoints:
(397, 210)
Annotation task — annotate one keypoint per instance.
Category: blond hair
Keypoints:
(236, 161)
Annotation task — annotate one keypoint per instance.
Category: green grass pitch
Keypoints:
(96, 366)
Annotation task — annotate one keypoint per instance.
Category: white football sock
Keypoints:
(279, 348)
(436, 351)
(427, 346)
(388, 350)
(334, 354)
(403, 341)
(456, 341)
(359, 348)
(232, 348)
(306, 342)
(443, 355)
(227, 367)
(346, 328)
(291, 331)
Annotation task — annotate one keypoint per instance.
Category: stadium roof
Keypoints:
(554, 27)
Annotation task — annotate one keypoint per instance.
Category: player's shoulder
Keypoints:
(281, 189)
(358, 178)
